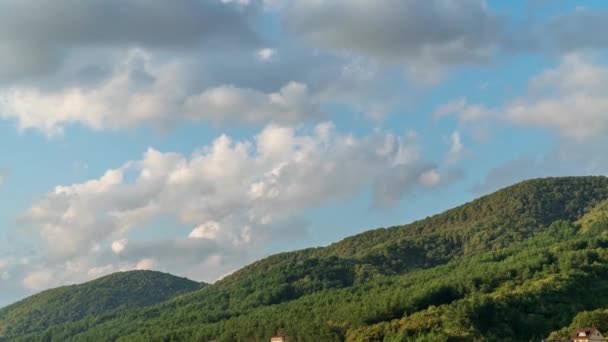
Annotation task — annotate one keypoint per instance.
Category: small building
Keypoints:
(279, 338)
(588, 335)
(584, 335)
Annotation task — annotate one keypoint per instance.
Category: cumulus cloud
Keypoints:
(423, 33)
(158, 83)
(231, 195)
(140, 91)
(36, 36)
(571, 99)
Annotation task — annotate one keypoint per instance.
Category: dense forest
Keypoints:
(527, 262)
(119, 291)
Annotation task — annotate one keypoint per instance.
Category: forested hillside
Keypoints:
(515, 265)
(105, 295)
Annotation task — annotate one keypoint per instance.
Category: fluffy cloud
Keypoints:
(425, 33)
(571, 99)
(100, 89)
(140, 91)
(119, 245)
(231, 196)
(37, 35)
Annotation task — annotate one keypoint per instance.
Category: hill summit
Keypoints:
(109, 294)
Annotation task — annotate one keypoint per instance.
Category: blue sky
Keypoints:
(195, 137)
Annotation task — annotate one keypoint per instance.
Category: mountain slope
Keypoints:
(108, 294)
(525, 252)
(519, 293)
(488, 223)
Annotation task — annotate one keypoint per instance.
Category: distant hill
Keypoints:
(515, 265)
(109, 294)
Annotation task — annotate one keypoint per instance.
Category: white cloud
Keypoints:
(207, 230)
(233, 195)
(266, 54)
(292, 103)
(119, 245)
(430, 178)
(146, 264)
(571, 99)
(141, 91)
(38, 280)
(456, 148)
(238, 2)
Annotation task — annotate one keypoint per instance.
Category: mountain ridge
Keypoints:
(525, 222)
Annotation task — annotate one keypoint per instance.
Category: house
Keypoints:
(278, 338)
(584, 335)
(588, 335)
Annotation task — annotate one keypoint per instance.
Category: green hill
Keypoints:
(105, 295)
(515, 265)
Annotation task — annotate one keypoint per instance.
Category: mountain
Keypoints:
(516, 265)
(106, 295)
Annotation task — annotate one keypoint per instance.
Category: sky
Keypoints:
(197, 136)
